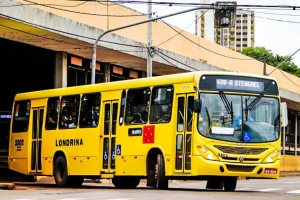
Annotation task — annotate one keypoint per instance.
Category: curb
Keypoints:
(7, 186)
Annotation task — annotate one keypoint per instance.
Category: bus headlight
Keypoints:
(273, 157)
(208, 154)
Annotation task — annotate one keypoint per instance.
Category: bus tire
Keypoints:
(161, 179)
(230, 183)
(61, 176)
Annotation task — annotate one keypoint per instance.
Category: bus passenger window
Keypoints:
(89, 111)
(69, 111)
(52, 113)
(21, 116)
(137, 106)
(161, 104)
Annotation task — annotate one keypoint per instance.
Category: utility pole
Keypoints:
(220, 17)
(149, 34)
(265, 64)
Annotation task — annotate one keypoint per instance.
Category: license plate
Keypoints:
(270, 171)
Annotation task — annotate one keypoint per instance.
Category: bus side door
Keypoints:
(184, 126)
(108, 140)
(36, 140)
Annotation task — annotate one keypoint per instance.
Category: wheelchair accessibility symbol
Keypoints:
(105, 156)
(113, 155)
(246, 137)
(118, 149)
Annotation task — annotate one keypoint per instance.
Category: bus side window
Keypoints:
(190, 113)
(122, 107)
(69, 111)
(89, 111)
(52, 113)
(20, 116)
(161, 104)
(137, 102)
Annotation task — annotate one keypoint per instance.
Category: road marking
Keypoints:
(26, 199)
(121, 199)
(72, 199)
(293, 182)
(294, 192)
(267, 190)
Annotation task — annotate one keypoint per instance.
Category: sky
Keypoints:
(278, 30)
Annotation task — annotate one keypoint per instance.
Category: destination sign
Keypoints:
(240, 85)
(5, 116)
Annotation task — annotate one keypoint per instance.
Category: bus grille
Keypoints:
(241, 150)
(237, 168)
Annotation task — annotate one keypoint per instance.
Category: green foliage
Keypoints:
(274, 60)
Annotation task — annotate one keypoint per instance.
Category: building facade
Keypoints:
(235, 38)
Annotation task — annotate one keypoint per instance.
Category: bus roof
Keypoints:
(127, 84)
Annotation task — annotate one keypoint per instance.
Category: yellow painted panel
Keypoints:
(19, 165)
(138, 165)
(84, 165)
(47, 166)
(123, 165)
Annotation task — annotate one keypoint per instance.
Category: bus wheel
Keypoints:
(126, 182)
(161, 179)
(61, 172)
(230, 183)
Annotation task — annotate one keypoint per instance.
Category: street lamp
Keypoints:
(134, 24)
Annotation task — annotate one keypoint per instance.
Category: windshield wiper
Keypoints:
(207, 116)
(228, 105)
(254, 102)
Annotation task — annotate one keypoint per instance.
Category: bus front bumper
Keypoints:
(239, 169)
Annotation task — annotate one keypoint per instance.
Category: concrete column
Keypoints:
(106, 72)
(61, 68)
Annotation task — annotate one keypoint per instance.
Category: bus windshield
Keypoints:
(239, 118)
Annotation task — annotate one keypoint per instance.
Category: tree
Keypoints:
(274, 60)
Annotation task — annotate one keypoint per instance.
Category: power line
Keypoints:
(267, 13)
(51, 29)
(181, 30)
(279, 20)
(288, 78)
(83, 13)
(159, 52)
(254, 6)
(170, 62)
(205, 47)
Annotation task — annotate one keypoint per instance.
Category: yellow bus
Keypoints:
(214, 126)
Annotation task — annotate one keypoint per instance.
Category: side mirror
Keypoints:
(284, 114)
(197, 106)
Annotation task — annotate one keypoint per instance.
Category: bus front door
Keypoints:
(109, 138)
(184, 133)
(36, 140)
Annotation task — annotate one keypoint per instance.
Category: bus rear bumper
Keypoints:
(241, 169)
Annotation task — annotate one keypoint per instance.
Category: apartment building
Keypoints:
(235, 38)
